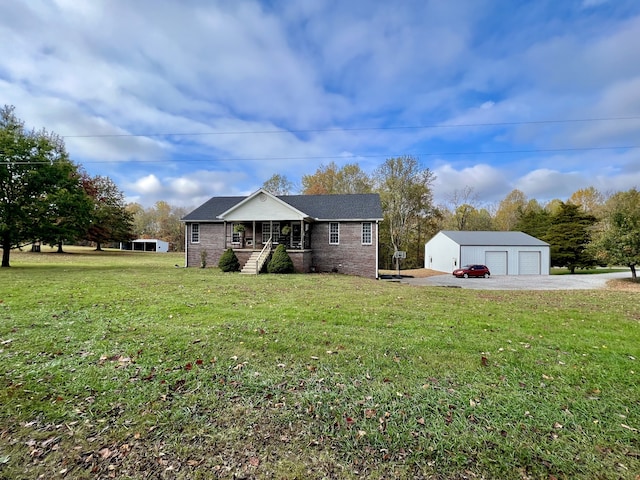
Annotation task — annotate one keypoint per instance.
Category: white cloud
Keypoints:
(188, 190)
(487, 182)
(116, 68)
(147, 185)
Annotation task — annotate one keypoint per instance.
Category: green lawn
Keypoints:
(589, 271)
(120, 365)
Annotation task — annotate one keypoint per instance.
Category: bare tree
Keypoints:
(406, 194)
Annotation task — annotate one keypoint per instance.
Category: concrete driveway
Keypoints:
(522, 282)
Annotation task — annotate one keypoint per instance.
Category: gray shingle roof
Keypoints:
(338, 207)
(493, 238)
(364, 206)
(209, 210)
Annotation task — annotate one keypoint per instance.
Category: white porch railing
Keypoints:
(264, 254)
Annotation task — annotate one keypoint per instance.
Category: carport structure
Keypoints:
(505, 253)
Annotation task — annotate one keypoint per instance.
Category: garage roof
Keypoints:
(510, 239)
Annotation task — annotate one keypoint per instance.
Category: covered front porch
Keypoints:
(254, 235)
(253, 242)
(260, 223)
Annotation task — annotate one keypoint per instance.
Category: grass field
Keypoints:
(120, 365)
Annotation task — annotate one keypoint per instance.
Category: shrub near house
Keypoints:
(229, 262)
(280, 261)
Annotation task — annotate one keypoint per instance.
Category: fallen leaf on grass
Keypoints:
(178, 385)
(105, 453)
(449, 418)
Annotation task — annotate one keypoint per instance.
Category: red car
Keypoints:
(472, 271)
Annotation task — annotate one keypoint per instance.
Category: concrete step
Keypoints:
(249, 268)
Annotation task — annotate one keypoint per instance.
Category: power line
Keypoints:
(354, 129)
(356, 156)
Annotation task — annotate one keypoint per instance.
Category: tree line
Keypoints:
(589, 229)
(46, 198)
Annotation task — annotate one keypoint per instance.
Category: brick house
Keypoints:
(322, 233)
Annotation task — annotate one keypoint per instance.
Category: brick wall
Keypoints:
(211, 241)
(350, 256)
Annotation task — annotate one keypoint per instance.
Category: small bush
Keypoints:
(280, 261)
(229, 262)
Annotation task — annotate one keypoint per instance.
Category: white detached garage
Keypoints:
(505, 253)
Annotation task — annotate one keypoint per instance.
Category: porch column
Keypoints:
(255, 237)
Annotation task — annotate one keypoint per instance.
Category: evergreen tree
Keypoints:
(280, 261)
(569, 235)
(229, 261)
(534, 222)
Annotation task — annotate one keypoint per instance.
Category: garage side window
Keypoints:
(366, 233)
(195, 233)
(334, 233)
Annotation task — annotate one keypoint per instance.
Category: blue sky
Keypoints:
(183, 100)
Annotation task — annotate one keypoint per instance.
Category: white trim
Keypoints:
(331, 233)
(191, 233)
(262, 194)
(377, 249)
(362, 224)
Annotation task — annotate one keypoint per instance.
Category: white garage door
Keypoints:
(529, 263)
(497, 262)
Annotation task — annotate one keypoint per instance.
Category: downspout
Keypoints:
(377, 249)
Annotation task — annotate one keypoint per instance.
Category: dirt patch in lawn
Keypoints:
(624, 285)
(415, 273)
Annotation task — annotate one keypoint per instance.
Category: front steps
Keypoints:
(250, 267)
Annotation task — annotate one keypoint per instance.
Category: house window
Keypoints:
(366, 233)
(195, 233)
(334, 233)
(235, 237)
(266, 231)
